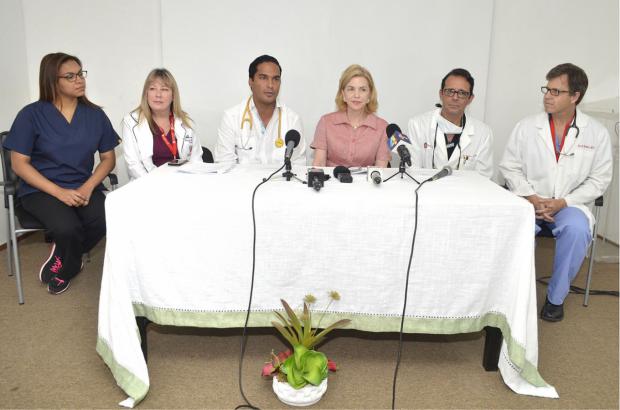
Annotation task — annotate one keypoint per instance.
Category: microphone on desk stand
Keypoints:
(291, 140)
(397, 142)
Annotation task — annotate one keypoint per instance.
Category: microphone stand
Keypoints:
(402, 172)
(288, 172)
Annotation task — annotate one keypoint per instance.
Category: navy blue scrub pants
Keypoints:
(74, 230)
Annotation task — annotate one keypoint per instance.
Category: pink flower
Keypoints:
(282, 356)
(268, 368)
(276, 360)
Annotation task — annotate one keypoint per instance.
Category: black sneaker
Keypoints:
(50, 267)
(551, 312)
(57, 285)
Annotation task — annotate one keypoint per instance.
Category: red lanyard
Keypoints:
(172, 147)
(555, 148)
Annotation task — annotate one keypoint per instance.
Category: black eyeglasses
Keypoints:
(553, 91)
(71, 77)
(449, 92)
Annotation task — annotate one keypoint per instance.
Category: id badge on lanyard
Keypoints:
(172, 144)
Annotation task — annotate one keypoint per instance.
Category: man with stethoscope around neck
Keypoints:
(560, 160)
(253, 132)
(446, 136)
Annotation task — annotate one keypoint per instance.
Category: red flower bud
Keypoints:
(267, 369)
(282, 356)
(331, 365)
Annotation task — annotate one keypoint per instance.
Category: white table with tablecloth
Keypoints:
(180, 241)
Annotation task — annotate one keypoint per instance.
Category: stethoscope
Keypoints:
(247, 117)
(569, 152)
(458, 142)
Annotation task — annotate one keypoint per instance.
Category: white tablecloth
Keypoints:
(179, 251)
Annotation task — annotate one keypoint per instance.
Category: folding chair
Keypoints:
(546, 232)
(18, 220)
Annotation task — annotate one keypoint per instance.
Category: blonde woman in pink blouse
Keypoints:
(353, 136)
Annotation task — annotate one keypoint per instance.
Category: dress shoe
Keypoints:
(551, 312)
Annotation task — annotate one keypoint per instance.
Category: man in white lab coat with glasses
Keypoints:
(560, 161)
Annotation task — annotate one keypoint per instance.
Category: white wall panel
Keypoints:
(14, 81)
(530, 37)
(407, 45)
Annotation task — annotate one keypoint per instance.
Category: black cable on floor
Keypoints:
(402, 318)
(581, 291)
(244, 339)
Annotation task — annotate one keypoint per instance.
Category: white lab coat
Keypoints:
(581, 175)
(476, 145)
(138, 144)
(249, 146)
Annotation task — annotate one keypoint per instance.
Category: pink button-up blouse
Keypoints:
(351, 147)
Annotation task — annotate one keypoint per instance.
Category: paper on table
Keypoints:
(358, 170)
(204, 168)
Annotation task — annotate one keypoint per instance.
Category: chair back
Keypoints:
(9, 178)
(207, 156)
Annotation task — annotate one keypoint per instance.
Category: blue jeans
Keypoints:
(571, 230)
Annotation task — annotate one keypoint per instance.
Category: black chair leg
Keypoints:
(492, 347)
(142, 325)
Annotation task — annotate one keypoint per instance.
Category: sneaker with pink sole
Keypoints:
(57, 285)
(50, 267)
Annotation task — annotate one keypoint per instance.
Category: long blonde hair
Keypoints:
(352, 71)
(144, 111)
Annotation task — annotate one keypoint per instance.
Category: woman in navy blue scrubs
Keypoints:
(53, 142)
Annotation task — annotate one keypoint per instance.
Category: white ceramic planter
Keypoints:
(306, 396)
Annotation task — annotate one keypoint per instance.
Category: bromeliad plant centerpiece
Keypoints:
(302, 366)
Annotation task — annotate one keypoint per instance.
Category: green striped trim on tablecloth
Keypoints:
(130, 383)
(364, 322)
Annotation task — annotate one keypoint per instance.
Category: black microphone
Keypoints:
(375, 176)
(391, 129)
(438, 105)
(292, 140)
(316, 178)
(397, 140)
(445, 171)
(343, 174)
(404, 153)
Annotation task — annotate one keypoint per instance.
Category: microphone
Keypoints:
(316, 178)
(438, 105)
(343, 174)
(291, 140)
(397, 141)
(375, 175)
(404, 154)
(445, 171)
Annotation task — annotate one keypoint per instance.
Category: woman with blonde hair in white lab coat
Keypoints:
(158, 130)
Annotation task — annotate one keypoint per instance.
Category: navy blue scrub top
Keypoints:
(62, 152)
